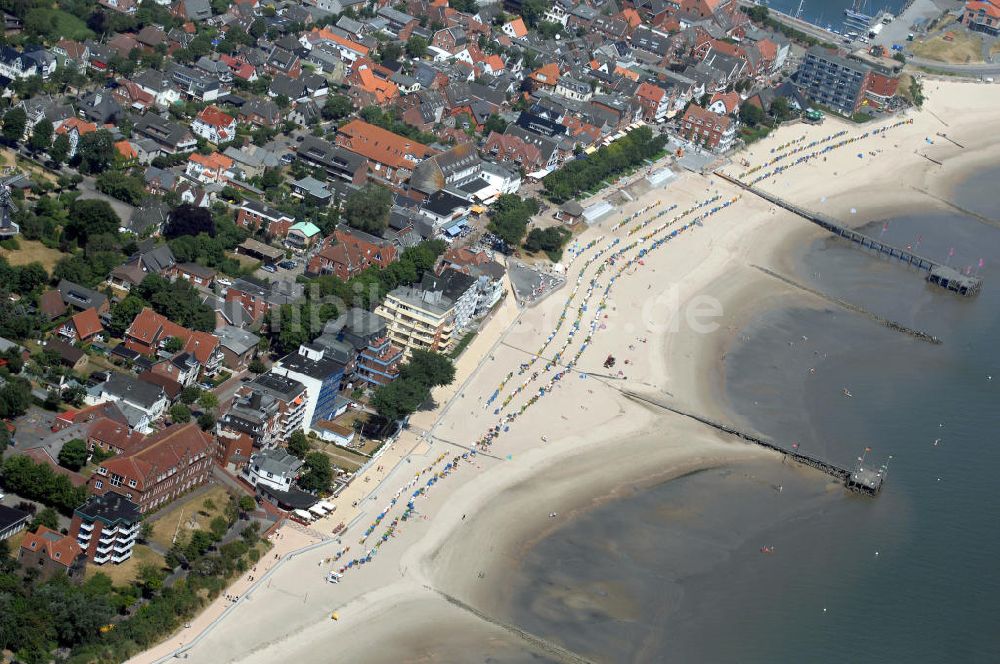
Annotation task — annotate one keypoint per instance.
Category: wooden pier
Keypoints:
(859, 479)
(937, 273)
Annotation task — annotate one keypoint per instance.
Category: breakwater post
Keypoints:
(881, 320)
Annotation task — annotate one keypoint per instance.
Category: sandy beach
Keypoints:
(432, 586)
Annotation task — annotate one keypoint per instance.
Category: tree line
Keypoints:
(610, 161)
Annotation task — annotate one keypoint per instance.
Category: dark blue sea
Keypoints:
(676, 572)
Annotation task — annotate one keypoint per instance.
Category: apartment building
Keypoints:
(106, 527)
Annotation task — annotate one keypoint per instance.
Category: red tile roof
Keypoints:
(115, 434)
(87, 323)
(162, 451)
(381, 145)
(215, 116)
(61, 549)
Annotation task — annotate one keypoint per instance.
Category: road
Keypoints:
(975, 70)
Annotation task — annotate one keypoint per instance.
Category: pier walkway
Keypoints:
(858, 479)
(938, 274)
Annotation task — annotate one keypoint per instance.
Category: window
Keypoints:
(132, 483)
(99, 484)
(116, 480)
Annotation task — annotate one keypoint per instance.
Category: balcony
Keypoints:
(85, 526)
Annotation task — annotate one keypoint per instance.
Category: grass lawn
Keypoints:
(246, 262)
(124, 574)
(31, 251)
(965, 47)
(339, 457)
(70, 27)
(188, 514)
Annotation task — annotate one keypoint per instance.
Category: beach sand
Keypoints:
(411, 603)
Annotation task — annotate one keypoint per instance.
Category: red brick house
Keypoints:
(513, 149)
(108, 435)
(703, 127)
(349, 252)
(254, 215)
(52, 554)
(150, 331)
(170, 462)
(391, 157)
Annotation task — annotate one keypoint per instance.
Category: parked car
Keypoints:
(269, 268)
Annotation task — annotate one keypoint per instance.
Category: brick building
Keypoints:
(169, 463)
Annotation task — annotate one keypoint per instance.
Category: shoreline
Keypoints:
(511, 499)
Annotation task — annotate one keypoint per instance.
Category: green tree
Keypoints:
(47, 517)
(90, 217)
(179, 413)
(464, 6)
(15, 121)
(751, 114)
(60, 149)
(367, 209)
(416, 46)
(124, 187)
(73, 454)
(532, 11)
(206, 421)
(124, 312)
(190, 394)
(173, 345)
(298, 444)
(256, 366)
(399, 399)
(494, 123)
(337, 107)
(150, 580)
(95, 151)
(208, 400)
(429, 368)
(318, 474)
(218, 526)
(41, 136)
(247, 504)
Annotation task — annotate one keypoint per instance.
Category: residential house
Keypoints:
(391, 157)
(196, 275)
(703, 127)
(81, 298)
(338, 163)
(169, 135)
(274, 468)
(214, 168)
(258, 298)
(52, 554)
(302, 236)
(511, 149)
(69, 356)
(150, 331)
(106, 527)
(239, 347)
(82, 327)
(157, 260)
(141, 402)
(349, 252)
(254, 216)
(214, 125)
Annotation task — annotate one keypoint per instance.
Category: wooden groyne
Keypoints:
(858, 479)
(850, 306)
(937, 273)
(543, 646)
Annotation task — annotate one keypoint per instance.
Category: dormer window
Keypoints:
(132, 483)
